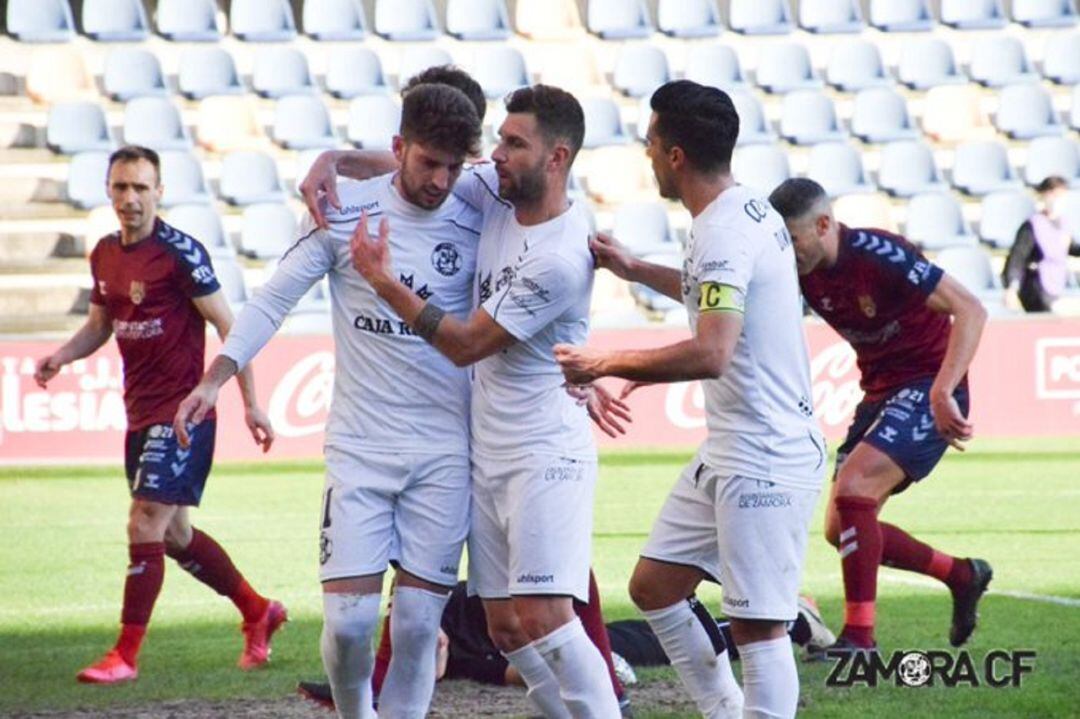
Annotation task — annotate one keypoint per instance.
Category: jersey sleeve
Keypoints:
(304, 264)
(723, 264)
(95, 290)
(478, 187)
(543, 287)
(901, 263)
(194, 269)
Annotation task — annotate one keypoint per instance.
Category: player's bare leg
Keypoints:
(507, 633)
(350, 617)
(664, 593)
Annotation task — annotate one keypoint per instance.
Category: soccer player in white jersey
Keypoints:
(397, 438)
(740, 511)
(534, 461)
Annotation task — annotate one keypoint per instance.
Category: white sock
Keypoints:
(584, 682)
(349, 622)
(415, 615)
(705, 674)
(543, 687)
(770, 679)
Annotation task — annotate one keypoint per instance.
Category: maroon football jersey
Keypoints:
(146, 290)
(875, 298)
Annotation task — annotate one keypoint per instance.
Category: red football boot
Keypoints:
(110, 669)
(257, 636)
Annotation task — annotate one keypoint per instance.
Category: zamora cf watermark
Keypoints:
(998, 668)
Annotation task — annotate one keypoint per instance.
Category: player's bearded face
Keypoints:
(427, 174)
(654, 150)
(520, 159)
(135, 193)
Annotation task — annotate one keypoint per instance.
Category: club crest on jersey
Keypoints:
(866, 304)
(137, 292)
(445, 259)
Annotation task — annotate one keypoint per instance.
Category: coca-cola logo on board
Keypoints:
(301, 400)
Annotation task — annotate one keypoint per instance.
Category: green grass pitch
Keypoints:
(63, 554)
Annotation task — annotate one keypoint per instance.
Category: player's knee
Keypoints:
(648, 595)
(507, 636)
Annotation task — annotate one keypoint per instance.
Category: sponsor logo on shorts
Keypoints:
(326, 548)
(764, 500)
(564, 473)
(736, 602)
(530, 578)
(451, 569)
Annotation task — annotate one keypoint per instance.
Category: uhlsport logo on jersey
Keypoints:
(915, 668)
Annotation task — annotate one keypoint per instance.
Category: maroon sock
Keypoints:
(145, 574)
(382, 657)
(901, 550)
(205, 560)
(860, 555)
(592, 618)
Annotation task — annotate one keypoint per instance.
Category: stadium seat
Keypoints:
(548, 19)
(603, 123)
(478, 19)
(955, 114)
(901, 15)
(838, 167)
(1048, 156)
(353, 70)
(268, 230)
(406, 20)
(206, 71)
(786, 67)
(688, 18)
(281, 71)
(40, 20)
(373, 121)
(1044, 13)
(115, 20)
(973, 14)
(760, 17)
(856, 65)
(643, 228)
(928, 62)
(982, 167)
(571, 66)
(182, 178)
(1070, 208)
(132, 72)
(713, 64)
(865, 211)
(499, 69)
(1026, 111)
(417, 58)
(1074, 109)
(1001, 215)
(204, 224)
(262, 20)
(935, 221)
(753, 125)
(76, 127)
(87, 181)
(230, 275)
(334, 20)
(302, 122)
(155, 122)
(649, 299)
(59, 73)
(808, 117)
(1061, 60)
(1000, 60)
(227, 123)
(880, 114)
(971, 267)
(761, 167)
(907, 168)
(249, 177)
(618, 19)
(830, 16)
(187, 20)
(640, 69)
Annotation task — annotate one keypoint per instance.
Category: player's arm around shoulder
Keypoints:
(87, 339)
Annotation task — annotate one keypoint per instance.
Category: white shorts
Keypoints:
(409, 509)
(531, 526)
(748, 534)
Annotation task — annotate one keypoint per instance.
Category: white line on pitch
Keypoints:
(930, 583)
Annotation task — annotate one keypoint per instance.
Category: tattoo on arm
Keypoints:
(427, 322)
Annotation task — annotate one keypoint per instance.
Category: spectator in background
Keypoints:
(1037, 267)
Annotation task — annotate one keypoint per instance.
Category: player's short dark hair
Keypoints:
(1051, 183)
(134, 153)
(441, 116)
(454, 77)
(796, 196)
(700, 119)
(558, 113)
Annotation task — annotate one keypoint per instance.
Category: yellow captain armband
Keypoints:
(716, 297)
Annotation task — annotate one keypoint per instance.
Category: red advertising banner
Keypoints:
(1025, 383)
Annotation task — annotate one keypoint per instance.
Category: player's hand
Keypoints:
(580, 365)
(259, 426)
(321, 182)
(371, 256)
(632, 385)
(193, 410)
(611, 255)
(949, 420)
(46, 369)
(603, 407)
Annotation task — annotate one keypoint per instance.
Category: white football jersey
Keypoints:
(759, 413)
(392, 390)
(536, 282)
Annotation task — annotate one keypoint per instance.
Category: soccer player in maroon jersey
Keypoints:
(155, 289)
(894, 307)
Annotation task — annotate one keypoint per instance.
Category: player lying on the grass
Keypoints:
(740, 511)
(915, 331)
(154, 287)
